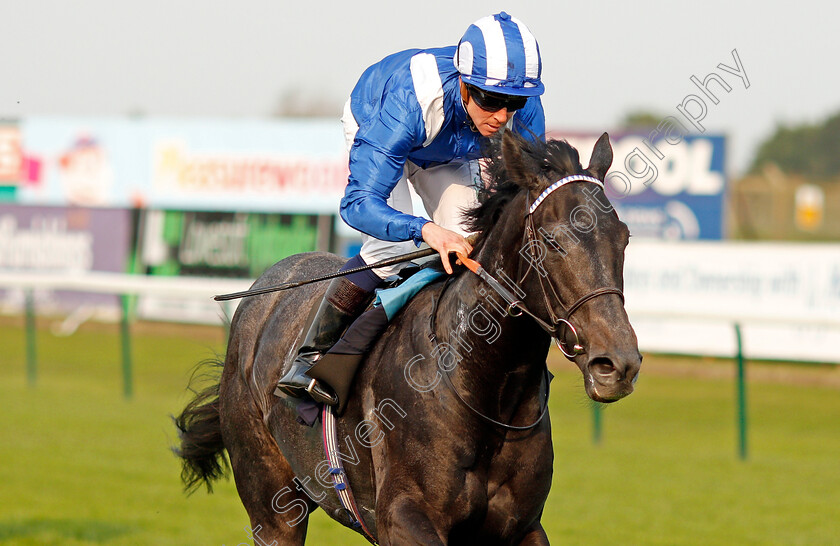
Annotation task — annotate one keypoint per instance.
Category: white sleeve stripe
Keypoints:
(532, 58)
(429, 91)
(495, 48)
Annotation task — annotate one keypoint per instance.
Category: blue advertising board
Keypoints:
(667, 188)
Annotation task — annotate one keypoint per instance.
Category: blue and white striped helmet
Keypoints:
(499, 54)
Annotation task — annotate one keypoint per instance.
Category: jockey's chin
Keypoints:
(489, 123)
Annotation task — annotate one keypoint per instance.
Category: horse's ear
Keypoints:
(515, 162)
(602, 156)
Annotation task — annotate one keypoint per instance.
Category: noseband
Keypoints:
(529, 239)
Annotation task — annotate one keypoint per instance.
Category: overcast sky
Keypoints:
(600, 59)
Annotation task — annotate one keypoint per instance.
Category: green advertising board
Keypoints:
(221, 244)
(217, 244)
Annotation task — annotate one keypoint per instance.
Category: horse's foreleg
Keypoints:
(535, 536)
(402, 521)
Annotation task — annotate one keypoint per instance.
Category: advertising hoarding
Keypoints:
(68, 240)
(684, 298)
(214, 244)
(285, 166)
(665, 190)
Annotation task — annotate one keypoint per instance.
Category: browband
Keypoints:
(563, 182)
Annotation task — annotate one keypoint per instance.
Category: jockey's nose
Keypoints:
(501, 116)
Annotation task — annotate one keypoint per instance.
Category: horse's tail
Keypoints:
(199, 428)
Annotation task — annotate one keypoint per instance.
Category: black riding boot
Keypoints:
(338, 366)
(342, 303)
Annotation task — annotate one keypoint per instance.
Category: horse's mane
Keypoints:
(553, 156)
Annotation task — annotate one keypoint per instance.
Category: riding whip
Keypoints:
(285, 286)
(382, 263)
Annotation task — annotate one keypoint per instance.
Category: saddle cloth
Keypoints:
(394, 299)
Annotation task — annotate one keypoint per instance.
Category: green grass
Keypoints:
(79, 464)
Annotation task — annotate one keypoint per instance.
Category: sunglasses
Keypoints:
(493, 102)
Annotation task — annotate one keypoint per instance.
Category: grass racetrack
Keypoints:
(79, 464)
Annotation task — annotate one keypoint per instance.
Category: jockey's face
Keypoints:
(486, 123)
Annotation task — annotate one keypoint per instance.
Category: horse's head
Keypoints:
(572, 258)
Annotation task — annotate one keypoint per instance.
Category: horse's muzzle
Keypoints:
(609, 378)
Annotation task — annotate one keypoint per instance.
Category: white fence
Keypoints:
(164, 288)
(191, 296)
(685, 297)
(682, 298)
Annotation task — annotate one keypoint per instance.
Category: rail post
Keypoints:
(228, 309)
(741, 394)
(125, 335)
(31, 332)
(596, 423)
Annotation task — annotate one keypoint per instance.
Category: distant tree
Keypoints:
(812, 151)
(640, 119)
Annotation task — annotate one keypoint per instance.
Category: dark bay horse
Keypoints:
(425, 461)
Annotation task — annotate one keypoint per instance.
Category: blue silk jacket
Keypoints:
(408, 107)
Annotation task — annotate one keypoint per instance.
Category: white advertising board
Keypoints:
(685, 297)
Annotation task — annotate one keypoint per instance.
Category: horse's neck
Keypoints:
(491, 342)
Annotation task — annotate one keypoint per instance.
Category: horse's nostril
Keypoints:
(602, 366)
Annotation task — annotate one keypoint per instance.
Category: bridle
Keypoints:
(529, 239)
(516, 307)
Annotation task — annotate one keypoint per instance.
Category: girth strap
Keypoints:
(342, 486)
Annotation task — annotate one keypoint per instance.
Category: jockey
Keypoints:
(420, 116)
